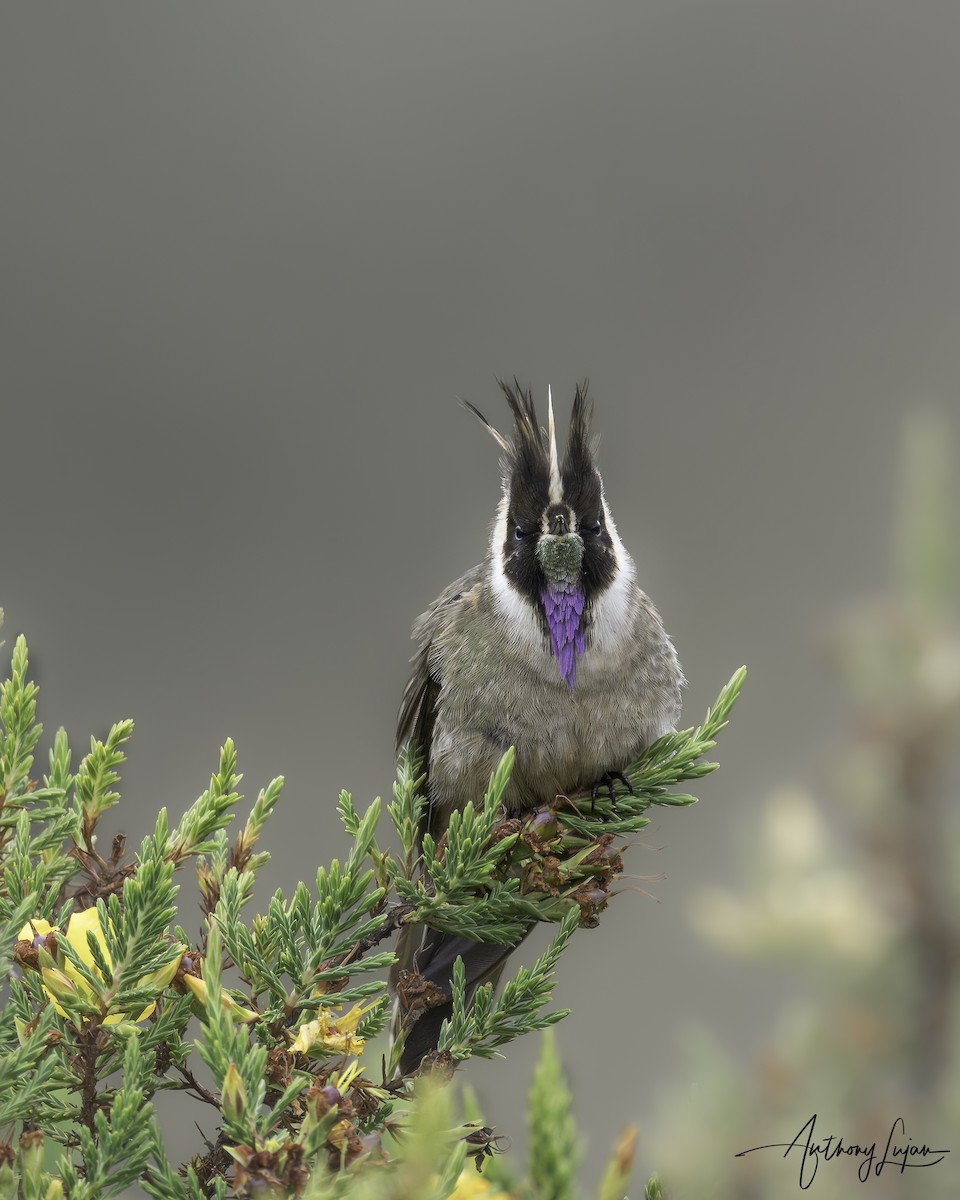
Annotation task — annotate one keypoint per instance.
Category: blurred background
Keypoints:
(250, 255)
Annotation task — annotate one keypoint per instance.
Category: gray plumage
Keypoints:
(493, 670)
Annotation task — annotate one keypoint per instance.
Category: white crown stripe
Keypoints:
(556, 489)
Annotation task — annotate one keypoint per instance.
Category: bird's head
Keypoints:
(555, 547)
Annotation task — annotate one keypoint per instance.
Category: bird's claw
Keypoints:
(607, 780)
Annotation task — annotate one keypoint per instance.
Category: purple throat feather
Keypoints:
(563, 604)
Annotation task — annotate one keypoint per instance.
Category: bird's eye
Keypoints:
(591, 527)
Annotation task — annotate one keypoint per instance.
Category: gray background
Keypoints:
(251, 253)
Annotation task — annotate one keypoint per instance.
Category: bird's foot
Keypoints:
(606, 782)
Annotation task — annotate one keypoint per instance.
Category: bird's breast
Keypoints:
(502, 687)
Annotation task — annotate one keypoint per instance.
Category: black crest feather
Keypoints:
(527, 455)
(578, 456)
(581, 483)
(529, 444)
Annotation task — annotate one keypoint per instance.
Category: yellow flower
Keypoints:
(341, 1080)
(234, 1010)
(59, 984)
(331, 1033)
(472, 1186)
(234, 1097)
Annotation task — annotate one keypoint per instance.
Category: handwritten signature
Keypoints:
(900, 1151)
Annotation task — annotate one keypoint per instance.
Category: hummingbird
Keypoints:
(549, 646)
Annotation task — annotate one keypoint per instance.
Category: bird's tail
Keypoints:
(421, 981)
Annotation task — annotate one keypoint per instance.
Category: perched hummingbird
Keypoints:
(549, 646)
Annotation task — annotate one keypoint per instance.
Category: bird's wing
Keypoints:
(418, 708)
(418, 946)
